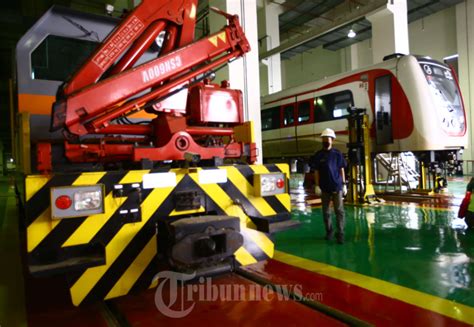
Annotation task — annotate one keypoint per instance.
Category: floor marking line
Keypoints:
(458, 311)
(388, 205)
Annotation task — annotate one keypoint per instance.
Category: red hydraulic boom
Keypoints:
(108, 88)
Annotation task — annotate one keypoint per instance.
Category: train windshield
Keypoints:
(446, 95)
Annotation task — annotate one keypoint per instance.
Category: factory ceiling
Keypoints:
(302, 15)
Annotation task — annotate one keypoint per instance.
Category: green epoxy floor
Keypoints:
(421, 248)
(12, 307)
(425, 249)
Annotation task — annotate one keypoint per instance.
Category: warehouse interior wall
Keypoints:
(310, 66)
(434, 35)
(364, 50)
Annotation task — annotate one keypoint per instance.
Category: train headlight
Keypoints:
(77, 201)
(87, 200)
(269, 184)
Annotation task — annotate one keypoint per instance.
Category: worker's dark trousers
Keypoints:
(338, 208)
(469, 219)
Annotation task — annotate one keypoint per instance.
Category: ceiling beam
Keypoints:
(314, 32)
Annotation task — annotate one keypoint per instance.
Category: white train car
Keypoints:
(414, 104)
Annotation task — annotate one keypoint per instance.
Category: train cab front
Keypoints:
(447, 104)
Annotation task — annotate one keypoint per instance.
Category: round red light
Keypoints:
(63, 202)
(280, 183)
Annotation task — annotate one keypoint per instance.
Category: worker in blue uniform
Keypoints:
(330, 183)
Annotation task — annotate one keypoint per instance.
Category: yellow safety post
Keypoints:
(361, 189)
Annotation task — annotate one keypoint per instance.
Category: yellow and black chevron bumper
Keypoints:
(105, 256)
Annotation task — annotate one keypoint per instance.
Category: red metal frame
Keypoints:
(43, 158)
(148, 12)
(90, 101)
(172, 150)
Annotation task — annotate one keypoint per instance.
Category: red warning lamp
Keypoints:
(63, 202)
(280, 183)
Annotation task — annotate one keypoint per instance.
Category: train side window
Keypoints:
(271, 118)
(342, 101)
(332, 106)
(304, 109)
(57, 57)
(289, 115)
(321, 111)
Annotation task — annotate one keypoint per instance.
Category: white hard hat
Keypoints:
(329, 133)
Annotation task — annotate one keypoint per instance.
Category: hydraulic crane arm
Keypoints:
(146, 20)
(93, 107)
(206, 121)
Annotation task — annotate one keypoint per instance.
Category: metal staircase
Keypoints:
(396, 170)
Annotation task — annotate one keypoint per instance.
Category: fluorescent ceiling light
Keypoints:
(351, 34)
(451, 57)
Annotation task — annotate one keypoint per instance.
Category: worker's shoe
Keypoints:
(340, 239)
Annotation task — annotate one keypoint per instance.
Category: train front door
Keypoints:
(383, 110)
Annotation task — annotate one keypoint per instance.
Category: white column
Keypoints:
(243, 73)
(354, 56)
(465, 44)
(389, 30)
(272, 38)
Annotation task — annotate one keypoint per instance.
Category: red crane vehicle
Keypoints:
(112, 196)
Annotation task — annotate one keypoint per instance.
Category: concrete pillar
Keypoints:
(389, 30)
(465, 45)
(354, 56)
(243, 73)
(270, 35)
